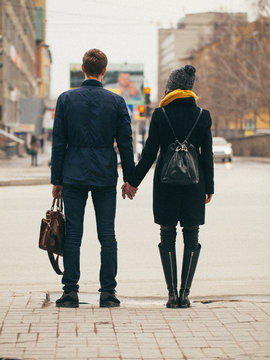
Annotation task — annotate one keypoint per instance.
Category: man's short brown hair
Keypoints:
(94, 61)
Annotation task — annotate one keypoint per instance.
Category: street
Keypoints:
(229, 317)
(235, 240)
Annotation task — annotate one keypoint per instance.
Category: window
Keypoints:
(250, 124)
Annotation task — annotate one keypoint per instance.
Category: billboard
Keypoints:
(123, 79)
(76, 76)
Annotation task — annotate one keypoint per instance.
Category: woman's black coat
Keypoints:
(173, 203)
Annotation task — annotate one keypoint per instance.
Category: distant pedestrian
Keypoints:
(87, 121)
(178, 203)
(34, 147)
(41, 140)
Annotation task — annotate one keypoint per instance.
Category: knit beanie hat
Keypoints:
(182, 78)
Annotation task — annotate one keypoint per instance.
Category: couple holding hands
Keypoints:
(87, 121)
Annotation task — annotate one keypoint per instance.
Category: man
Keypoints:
(87, 121)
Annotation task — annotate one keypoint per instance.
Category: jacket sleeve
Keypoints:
(124, 140)
(207, 158)
(149, 153)
(59, 144)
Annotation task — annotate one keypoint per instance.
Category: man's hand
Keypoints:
(128, 190)
(57, 191)
(208, 198)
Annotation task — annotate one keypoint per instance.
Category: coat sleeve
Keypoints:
(149, 153)
(124, 140)
(59, 144)
(207, 158)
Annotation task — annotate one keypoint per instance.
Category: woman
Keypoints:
(178, 203)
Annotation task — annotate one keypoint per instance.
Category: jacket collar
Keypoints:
(91, 82)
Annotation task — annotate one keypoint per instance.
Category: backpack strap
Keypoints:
(193, 127)
(167, 118)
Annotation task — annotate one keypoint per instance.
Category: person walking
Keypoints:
(34, 147)
(87, 121)
(178, 203)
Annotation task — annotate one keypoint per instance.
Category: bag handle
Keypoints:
(59, 204)
(54, 261)
(193, 127)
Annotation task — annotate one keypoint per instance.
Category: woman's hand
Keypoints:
(208, 198)
(128, 190)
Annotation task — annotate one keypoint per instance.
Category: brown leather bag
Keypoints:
(52, 234)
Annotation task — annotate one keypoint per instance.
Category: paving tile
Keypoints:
(223, 330)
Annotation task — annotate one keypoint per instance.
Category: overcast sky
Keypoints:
(126, 30)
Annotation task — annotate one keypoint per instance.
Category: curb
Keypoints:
(25, 182)
(93, 299)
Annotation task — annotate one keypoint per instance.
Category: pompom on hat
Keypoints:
(182, 78)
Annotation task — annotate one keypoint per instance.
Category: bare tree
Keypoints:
(234, 71)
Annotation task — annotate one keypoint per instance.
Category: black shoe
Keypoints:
(184, 301)
(108, 299)
(172, 302)
(68, 300)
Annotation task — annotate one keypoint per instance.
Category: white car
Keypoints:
(222, 149)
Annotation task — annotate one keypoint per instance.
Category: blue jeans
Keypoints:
(104, 201)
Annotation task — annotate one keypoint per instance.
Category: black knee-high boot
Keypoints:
(190, 261)
(168, 260)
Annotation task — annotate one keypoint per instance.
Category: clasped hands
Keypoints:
(128, 190)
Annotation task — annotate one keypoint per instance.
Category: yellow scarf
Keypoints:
(177, 94)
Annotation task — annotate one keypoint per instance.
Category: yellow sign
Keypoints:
(24, 128)
(249, 132)
(116, 91)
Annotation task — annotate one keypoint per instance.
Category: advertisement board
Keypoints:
(123, 79)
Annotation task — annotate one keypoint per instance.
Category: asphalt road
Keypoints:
(235, 240)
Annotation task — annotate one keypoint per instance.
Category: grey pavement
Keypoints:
(33, 328)
(229, 317)
(18, 171)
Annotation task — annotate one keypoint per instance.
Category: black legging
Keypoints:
(168, 237)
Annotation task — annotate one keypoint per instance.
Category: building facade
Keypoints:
(17, 58)
(43, 55)
(176, 46)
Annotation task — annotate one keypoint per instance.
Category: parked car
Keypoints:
(222, 149)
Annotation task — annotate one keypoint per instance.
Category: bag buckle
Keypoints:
(182, 147)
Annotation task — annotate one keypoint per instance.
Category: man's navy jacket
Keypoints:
(87, 121)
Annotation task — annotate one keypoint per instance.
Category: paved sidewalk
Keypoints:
(33, 328)
(19, 171)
